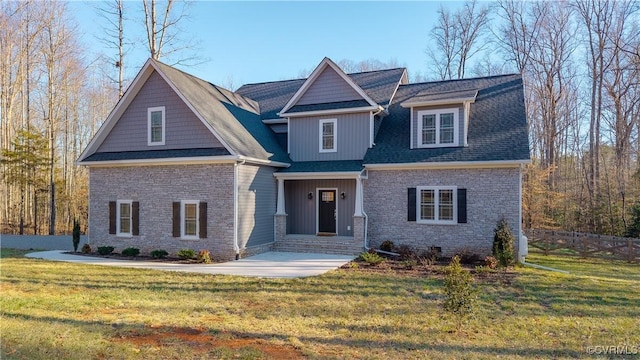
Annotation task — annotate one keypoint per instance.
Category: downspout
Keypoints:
(366, 217)
(236, 247)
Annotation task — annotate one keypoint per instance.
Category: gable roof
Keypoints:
(380, 85)
(231, 118)
(497, 124)
(325, 64)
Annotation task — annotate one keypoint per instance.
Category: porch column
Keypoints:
(280, 203)
(358, 211)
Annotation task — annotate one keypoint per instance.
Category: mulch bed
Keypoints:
(167, 259)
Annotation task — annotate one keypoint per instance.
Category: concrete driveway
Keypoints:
(268, 265)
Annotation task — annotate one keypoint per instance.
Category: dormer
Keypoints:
(440, 119)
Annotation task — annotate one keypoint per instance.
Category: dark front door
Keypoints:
(327, 211)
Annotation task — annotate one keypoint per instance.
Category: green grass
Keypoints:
(73, 311)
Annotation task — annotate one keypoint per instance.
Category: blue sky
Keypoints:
(246, 42)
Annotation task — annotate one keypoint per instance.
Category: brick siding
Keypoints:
(491, 195)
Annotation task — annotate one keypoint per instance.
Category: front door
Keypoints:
(327, 211)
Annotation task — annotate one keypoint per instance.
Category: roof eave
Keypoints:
(449, 165)
(331, 111)
(453, 101)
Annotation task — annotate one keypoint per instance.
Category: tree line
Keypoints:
(580, 62)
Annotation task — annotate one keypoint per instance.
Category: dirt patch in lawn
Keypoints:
(201, 341)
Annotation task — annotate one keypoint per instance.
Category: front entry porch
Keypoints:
(320, 213)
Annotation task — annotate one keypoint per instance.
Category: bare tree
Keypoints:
(456, 37)
(113, 13)
(163, 31)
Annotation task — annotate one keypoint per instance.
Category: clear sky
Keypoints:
(247, 42)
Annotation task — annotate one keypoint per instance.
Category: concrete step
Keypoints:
(324, 245)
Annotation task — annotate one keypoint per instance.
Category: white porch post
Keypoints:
(280, 203)
(358, 211)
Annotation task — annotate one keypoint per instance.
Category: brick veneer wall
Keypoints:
(491, 195)
(156, 188)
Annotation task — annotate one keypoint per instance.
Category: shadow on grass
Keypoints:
(117, 329)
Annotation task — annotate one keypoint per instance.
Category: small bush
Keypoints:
(491, 262)
(86, 248)
(131, 251)
(460, 293)
(204, 256)
(159, 254)
(429, 257)
(406, 252)
(480, 270)
(371, 258)
(186, 254)
(387, 245)
(105, 250)
(503, 244)
(76, 235)
(353, 265)
(409, 264)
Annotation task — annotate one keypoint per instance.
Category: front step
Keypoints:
(339, 245)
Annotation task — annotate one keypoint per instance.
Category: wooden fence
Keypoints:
(584, 244)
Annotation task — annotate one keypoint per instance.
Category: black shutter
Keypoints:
(203, 220)
(176, 219)
(411, 204)
(112, 217)
(462, 206)
(135, 218)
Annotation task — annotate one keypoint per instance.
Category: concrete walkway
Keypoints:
(269, 264)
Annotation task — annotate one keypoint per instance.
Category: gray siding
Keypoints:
(417, 123)
(301, 211)
(328, 87)
(183, 128)
(491, 195)
(156, 188)
(256, 205)
(352, 137)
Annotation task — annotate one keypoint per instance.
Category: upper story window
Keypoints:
(438, 128)
(328, 135)
(156, 125)
(124, 218)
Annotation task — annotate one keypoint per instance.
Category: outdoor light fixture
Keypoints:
(310, 196)
(342, 195)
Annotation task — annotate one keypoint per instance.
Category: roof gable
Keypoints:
(215, 107)
(327, 84)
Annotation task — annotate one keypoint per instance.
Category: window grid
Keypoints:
(124, 219)
(438, 127)
(436, 204)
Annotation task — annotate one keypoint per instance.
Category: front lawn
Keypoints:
(62, 310)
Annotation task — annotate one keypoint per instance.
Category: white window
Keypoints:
(437, 204)
(438, 128)
(328, 137)
(155, 125)
(189, 219)
(123, 218)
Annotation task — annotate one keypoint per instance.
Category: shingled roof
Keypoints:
(273, 96)
(497, 124)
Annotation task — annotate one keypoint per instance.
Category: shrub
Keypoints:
(503, 244)
(427, 258)
(86, 248)
(491, 262)
(468, 257)
(481, 270)
(105, 250)
(131, 251)
(409, 264)
(406, 252)
(76, 235)
(204, 256)
(371, 258)
(460, 293)
(387, 245)
(159, 254)
(186, 254)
